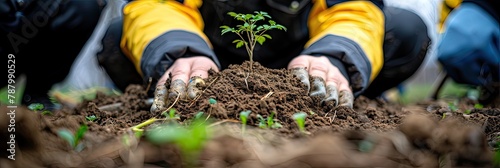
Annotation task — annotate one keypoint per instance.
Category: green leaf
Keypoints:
(171, 113)
(267, 36)
(239, 44)
(36, 106)
(226, 30)
(265, 14)
(244, 116)
(261, 39)
(166, 134)
(478, 106)
(248, 16)
(258, 17)
(272, 22)
(276, 125)
(281, 27)
(270, 119)
(212, 100)
(68, 136)
(199, 115)
(79, 134)
(300, 118)
(262, 121)
(47, 112)
(260, 28)
(468, 111)
(91, 118)
(233, 14)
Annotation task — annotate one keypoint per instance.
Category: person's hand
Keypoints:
(187, 74)
(328, 83)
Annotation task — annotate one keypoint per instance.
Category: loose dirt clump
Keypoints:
(374, 133)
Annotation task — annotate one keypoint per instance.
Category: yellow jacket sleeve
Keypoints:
(352, 32)
(157, 31)
(445, 8)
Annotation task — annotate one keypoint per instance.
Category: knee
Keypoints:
(405, 25)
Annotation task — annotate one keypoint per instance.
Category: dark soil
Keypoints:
(374, 133)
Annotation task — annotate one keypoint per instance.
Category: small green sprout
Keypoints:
(478, 106)
(74, 139)
(443, 117)
(91, 118)
(311, 112)
(468, 111)
(47, 112)
(36, 106)
(171, 114)
(212, 101)
(452, 107)
(300, 119)
(250, 29)
(190, 139)
(243, 117)
(269, 122)
(137, 129)
(199, 115)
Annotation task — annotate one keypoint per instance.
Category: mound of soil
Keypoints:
(374, 133)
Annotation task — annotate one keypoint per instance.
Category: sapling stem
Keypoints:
(138, 128)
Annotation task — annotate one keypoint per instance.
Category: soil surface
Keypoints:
(375, 133)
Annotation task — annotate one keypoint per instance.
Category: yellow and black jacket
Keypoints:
(349, 33)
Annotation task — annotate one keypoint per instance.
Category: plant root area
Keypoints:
(375, 133)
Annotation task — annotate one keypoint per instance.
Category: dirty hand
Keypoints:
(327, 81)
(187, 74)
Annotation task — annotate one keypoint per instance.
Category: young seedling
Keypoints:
(91, 118)
(478, 106)
(138, 131)
(243, 117)
(46, 112)
(171, 114)
(452, 107)
(74, 139)
(269, 122)
(252, 30)
(212, 103)
(36, 106)
(199, 115)
(300, 119)
(190, 139)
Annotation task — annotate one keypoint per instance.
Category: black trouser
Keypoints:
(405, 47)
(47, 40)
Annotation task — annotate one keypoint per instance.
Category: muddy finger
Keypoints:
(177, 89)
(303, 76)
(332, 94)
(346, 99)
(318, 87)
(193, 89)
(159, 98)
